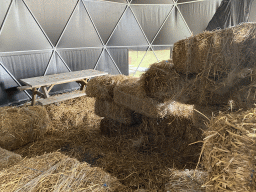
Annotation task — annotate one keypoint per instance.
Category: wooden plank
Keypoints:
(40, 94)
(23, 88)
(62, 97)
(62, 78)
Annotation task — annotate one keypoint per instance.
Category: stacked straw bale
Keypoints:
(56, 172)
(8, 158)
(162, 82)
(229, 152)
(186, 181)
(221, 61)
(130, 94)
(109, 109)
(102, 87)
(19, 126)
(171, 131)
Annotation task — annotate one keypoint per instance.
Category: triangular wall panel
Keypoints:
(80, 59)
(128, 32)
(198, 14)
(185, 1)
(57, 66)
(106, 64)
(4, 4)
(121, 58)
(27, 65)
(20, 31)
(8, 95)
(52, 15)
(80, 31)
(173, 30)
(151, 17)
(117, 1)
(152, 1)
(106, 21)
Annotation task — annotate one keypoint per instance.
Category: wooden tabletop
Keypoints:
(61, 78)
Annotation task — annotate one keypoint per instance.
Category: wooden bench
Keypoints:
(46, 83)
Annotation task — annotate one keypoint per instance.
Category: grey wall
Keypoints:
(41, 37)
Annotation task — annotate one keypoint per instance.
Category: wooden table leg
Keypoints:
(82, 84)
(34, 90)
(45, 92)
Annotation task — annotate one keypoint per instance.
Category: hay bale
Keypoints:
(162, 82)
(8, 158)
(207, 50)
(56, 172)
(109, 109)
(73, 113)
(222, 60)
(229, 152)
(102, 87)
(112, 128)
(19, 126)
(190, 54)
(174, 132)
(130, 94)
(186, 181)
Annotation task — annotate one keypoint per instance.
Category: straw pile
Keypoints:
(56, 172)
(130, 94)
(19, 126)
(102, 87)
(8, 158)
(109, 109)
(229, 152)
(162, 82)
(186, 181)
(138, 155)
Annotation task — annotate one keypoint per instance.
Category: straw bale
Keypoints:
(186, 181)
(224, 62)
(130, 94)
(19, 126)
(73, 113)
(177, 133)
(102, 87)
(109, 109)
(190, 55)
(56, 172)
(162, 82)
(228, 152)
(8, 158)
(171, 131)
